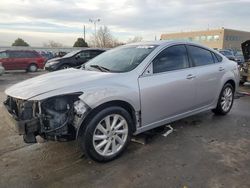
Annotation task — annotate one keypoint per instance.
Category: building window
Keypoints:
(203, 38)
(216, 37)
(210, 38)
(197, 38)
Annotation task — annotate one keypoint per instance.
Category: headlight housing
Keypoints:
(80, 107)
(53, 62)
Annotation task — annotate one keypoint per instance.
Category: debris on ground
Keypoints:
(169, 131)
(243, 93)
(146, 136)
(140, 139)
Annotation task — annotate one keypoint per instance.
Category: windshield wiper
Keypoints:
(101, 68)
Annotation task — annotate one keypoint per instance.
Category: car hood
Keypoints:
(70, 79)
(54, 59)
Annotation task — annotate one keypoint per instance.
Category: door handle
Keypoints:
(190, 76)
(221, 69)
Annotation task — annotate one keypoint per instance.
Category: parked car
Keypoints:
(47, 55)
(245, 67)
(1, 69)
(239, 58)
(60, 54)
(72, 59)
(229, 54)
(21, 60)
(124, 91)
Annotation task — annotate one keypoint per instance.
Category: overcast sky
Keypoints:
(38, 21)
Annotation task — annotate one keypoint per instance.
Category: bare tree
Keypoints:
(52, 44)
(135, 39)
(104, 39)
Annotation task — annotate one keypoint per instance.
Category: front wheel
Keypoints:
(64, 67)
(225, 101)
(107, 134)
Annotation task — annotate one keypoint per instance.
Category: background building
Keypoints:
(216, 38)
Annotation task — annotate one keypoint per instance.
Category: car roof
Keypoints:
(171, 42)
(20, 50)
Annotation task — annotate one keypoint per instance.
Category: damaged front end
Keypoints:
(55, 118)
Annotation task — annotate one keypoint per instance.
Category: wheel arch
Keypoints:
(123, 104)
(232, 82)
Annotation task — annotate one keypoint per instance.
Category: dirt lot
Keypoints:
(203, 151)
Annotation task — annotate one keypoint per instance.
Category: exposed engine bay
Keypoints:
(54, 118)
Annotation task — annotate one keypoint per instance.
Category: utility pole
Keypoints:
(94, 21)
(84, 33)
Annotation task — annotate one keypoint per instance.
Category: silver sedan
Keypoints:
(124, 91)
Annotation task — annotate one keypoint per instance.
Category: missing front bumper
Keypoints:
(27, 128)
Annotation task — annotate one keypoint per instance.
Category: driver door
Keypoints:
(169, 90)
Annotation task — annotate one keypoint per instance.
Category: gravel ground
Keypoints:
(203, 151)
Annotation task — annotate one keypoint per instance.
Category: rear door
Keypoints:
(170, 90)
(209, 71)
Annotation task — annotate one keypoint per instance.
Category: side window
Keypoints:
(95, 53)
(217, 58)
(3, 55)
(16, 54)
(84, 55)
(30, 54)
(200, 56)
(172, 58)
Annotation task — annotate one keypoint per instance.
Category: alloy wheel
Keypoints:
(110, 135)
(226, 99)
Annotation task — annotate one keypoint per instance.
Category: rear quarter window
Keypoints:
(219, 58)
(200, 56)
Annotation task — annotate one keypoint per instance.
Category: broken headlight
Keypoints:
(80, 107)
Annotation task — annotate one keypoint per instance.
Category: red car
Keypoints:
(28, 60)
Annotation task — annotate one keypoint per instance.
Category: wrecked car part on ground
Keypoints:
(53, 118)
(123, 92)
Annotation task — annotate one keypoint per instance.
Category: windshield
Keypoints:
(70, 54)
(122, 59)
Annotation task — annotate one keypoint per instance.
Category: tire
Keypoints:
(101, 143)
(225, 101)
(32, 68)
(65, 66)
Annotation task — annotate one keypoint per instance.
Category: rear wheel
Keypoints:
(107, 134)
(225, 101)
(32, 68)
